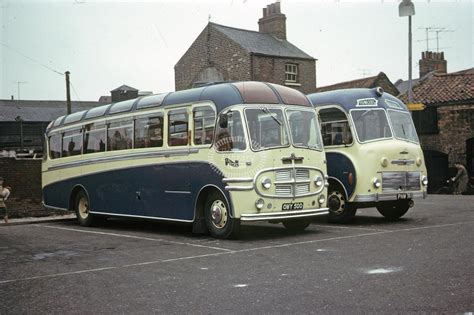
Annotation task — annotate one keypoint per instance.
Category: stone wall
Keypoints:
(456, 125)
(24, 176)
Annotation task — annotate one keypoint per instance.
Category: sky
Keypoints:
(105, 44)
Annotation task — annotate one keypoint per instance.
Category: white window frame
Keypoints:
(291, 71)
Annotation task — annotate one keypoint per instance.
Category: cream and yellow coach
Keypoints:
(373, 153)
(213, 156)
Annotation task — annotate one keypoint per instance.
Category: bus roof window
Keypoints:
(120, 107)
(74, 117)
(96, 111)
(151, 101)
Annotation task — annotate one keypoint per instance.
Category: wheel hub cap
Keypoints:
(218, 214)
(336, 202)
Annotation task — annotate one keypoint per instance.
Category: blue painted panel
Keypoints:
(339, 166)
(116, 191)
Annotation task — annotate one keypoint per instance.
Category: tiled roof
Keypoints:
(124, 88)
(380, 79)
(44, 111)
(441, 89)
(261, 43)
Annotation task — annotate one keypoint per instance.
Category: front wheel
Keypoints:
(340, 211)
(394, 210)
(218, 220)
(82, 209)
(296, 225)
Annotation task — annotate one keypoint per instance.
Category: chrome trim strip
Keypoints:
(54, 208)
(295, 181)
(236, 180)
(403, 162)
(139, 216)
(283, 215)
(389, 196)
(123, 157)
(238, 188)
(177, 192)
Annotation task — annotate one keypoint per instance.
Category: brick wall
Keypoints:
(272, 69)
(456, 125)
(212, 49)
(24, 176)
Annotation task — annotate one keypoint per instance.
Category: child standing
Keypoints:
(4, 194)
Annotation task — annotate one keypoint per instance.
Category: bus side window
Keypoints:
(335, 127)
(177, 127)
(119, 135)
(55, 146)
(72, 143)
(204, 120)
(149, 132)
(94, 138)
(229, 133)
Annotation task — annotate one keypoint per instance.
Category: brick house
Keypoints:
(446, 125)
(223, 53)
(380, 79)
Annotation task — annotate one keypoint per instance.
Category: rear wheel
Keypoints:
(218, 220)
(340, 211)
(84, 217)
(394, 210)
(296, 225)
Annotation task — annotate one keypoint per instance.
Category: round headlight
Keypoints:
(266, 183)
(424, 180)
(376, 182)
(384, 162)
(259, 204)
(318, 181)
(321, 200)
(418, 161)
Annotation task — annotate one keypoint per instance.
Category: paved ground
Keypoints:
(423, 263)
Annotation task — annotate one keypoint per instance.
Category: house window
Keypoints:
(291, 73)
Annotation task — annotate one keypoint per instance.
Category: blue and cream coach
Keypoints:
(373, 153)
(212, 156)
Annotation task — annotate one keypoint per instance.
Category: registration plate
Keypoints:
(292, 206)
(402, 196)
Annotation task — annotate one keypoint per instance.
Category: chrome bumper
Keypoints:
(283, 215)
(389, 196)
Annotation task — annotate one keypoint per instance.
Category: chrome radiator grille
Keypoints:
(292, 182)
(400, 181)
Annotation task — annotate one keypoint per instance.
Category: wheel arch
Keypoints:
(336, 184)
(199, 216)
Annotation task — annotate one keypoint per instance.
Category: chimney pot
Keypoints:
(264, 12)
(277, 7)
(13, 98)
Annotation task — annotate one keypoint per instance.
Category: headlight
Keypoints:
(266, 183)
(384, 162)
(259, 204)
(418, 161)
(321, 200)
(424, 180)
(376, 182)
(318, 181)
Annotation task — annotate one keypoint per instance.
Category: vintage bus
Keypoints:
(212, 156)
(373, 153)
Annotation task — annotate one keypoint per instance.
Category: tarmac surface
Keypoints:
(421, 263)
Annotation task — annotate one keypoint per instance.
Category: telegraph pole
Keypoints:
(68, 93)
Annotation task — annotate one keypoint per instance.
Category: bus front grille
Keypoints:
(283, 190)
(400, 181)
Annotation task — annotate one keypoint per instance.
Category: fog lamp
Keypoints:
(259, 204)
(424, 180)
(418, 161)
(384, 162)
(321, 200)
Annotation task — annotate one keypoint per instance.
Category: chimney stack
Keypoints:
(432, 61)
(273, 21)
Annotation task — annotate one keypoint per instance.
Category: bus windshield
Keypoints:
(267, 128)
(402, 125)
(371, 124)
(304, 129)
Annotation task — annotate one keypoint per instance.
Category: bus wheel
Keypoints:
(84, 217)
(340, 211)
(394, 210)
(296, 225)
(218, 220)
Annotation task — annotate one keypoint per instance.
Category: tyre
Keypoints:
(340, 211)
(218, 220)
(394, 210)
(84, 217)
(296, 225)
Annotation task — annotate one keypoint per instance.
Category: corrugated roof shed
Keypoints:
(261, 43)
(44, 111)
